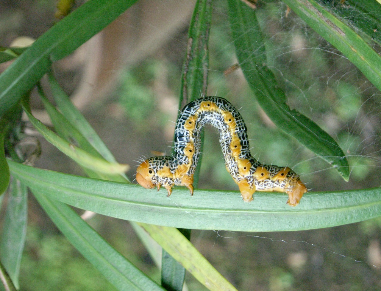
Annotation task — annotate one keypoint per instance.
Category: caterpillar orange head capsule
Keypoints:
(144, 175)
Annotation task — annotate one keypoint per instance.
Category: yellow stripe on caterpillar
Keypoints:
(249, 174)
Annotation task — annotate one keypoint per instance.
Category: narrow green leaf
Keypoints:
(195, 70)
(59, 41)
(4, 169)
(80, 156)
(67, 131)
(341, 36)
(75, 117)
(362, 15)
(252, 59)
(7, 123)
(5, 280)
(153, 248)
(172, 272)
(117, 269)
(183, 251)
(14, 230)
(223, 210)
(7, 54)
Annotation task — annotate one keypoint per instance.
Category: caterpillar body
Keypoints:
(249, 174)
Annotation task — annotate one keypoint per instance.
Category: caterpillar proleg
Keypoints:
(249, 174)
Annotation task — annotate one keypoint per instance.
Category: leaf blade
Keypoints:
(68, 131)
(80, 156)
(118, 270)
(4, 169)
(183, 251)
(252, 59)
(14, 230)
(75, 117)
(268, 212)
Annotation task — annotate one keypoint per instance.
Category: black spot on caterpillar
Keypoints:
(249, 174)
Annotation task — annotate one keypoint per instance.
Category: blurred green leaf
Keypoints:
(4, 169)
(63, 8)
(80, 156)
(74, 116)
(151, 245)
(117, 269)
(58, 42)
(251, 55)
(6, 281)
(7, 54)
(14, 230)
(69, 132)
(268, 211)
(7, 122)
(349, 101)
(183, 251)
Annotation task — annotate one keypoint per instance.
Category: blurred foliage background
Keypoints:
(138, 116)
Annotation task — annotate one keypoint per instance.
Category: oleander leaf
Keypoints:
(206, 209)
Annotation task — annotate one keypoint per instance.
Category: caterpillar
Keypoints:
(249, 174)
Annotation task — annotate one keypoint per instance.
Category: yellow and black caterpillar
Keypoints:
(247, 172)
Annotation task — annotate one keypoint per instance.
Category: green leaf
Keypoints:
(117, 269)
(195, 71)
(362, 15)
(172, 272)
(14, 230)
(153, 248)
(183, 251)
(75, 117)
(252, 59)
(59, 41)
(69, 132)
(7, 123)
(223, 210)
(4, 169)
(7, 54)
(5, 280)
(341, 36)
(80, 156)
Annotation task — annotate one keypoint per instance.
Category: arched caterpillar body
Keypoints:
(247, 172)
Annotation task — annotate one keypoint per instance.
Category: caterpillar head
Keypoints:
(144, 175)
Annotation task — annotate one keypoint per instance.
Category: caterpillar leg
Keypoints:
(246, 190)
(187, 181)
(296, 193)
(169, 189)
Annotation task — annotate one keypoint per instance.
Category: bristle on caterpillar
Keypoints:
(249, 174)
